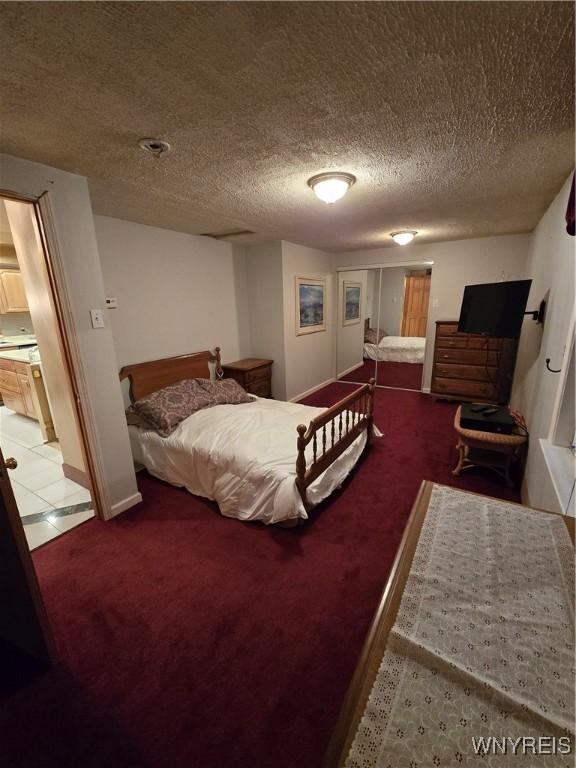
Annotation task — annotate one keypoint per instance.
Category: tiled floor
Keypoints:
(47, 501)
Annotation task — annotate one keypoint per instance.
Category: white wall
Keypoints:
(310, 358)
(550, 264)
(391, 300)
(350, 338)
(177, 293)
(73, 226)
(456, 264)
(266, 309)
(372, 282)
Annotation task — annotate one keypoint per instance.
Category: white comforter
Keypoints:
(243, 457)
(397, 349)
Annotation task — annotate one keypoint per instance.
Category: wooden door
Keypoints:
(26, 642)
(415, 311)
(14, 295)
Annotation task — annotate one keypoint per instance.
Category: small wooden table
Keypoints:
(252, 373)
(488, 449)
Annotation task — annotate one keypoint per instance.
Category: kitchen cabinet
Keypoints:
(12, 293)
(22, 390)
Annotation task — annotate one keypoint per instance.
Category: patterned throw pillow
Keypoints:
(165, 409)
(374, 337)
(225, 391)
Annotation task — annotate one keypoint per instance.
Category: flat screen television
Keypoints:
(494, 309)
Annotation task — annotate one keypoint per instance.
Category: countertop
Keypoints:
(17, 340)
(18, 355)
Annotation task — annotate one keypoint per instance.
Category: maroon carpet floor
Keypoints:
(188, 640)
(402, 375)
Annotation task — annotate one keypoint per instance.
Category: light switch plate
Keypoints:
(97, 318)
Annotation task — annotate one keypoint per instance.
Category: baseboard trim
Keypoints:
(77, 475)
(311, 391)
(349, 370)
(426, 390)
(122, 506)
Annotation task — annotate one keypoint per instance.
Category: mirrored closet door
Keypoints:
(382, 322)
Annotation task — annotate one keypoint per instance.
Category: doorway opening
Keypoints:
(40, 425)
(385, 339)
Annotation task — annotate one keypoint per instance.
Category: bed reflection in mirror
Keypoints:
(381, 328)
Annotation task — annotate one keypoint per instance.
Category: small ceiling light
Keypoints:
(155, 147)
(330, 187)
(403, 238)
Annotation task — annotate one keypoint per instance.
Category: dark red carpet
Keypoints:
(193, 641)
(401, 375)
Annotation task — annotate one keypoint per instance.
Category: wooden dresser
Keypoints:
(254, 374)
(472, 367)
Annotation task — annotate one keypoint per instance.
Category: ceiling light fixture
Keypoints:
(330, 187)
(155, 147)
(404, 237)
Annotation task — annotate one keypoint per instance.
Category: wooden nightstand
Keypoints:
(254, 374)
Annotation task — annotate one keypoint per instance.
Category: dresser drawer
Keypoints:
(460, 387)
(472, 372)
(9, 380)
(468, 342)
(21, 368)
(446, 329)
(466, 356)
(258, 375)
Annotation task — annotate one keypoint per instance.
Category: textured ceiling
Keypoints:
(456, 118)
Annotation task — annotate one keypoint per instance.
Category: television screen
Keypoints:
(494, 309)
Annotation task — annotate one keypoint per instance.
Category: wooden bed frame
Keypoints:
(330, 434)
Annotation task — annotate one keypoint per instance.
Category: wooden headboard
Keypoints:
(149, 377)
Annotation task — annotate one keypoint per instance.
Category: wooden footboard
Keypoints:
(331, 433)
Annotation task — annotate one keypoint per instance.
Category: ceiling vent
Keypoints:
(229, 234)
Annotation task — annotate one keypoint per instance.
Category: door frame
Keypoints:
(69, 339)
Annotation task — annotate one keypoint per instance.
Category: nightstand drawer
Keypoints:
(260, 389)
(258, 375)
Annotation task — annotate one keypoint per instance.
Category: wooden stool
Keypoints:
(488, 449)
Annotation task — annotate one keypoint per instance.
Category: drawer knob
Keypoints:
(11, 463)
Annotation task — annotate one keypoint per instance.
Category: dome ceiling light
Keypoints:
(330, 187)
(404, 237)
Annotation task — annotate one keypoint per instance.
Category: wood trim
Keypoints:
(375, 643)
(374, 646)
(75, 368)
(153, 375)
(75, 474)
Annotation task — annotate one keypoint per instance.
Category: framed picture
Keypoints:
(310, 305)
(352, 295)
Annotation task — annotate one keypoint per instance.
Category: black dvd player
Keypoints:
(486, 418)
